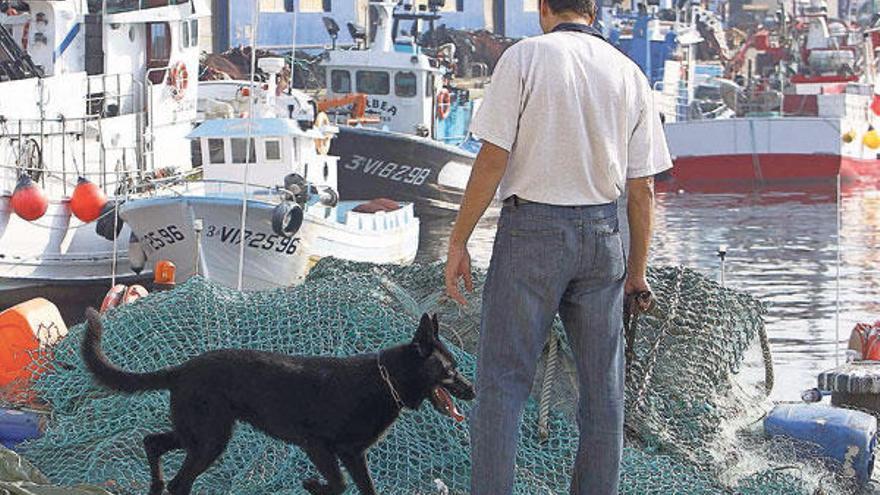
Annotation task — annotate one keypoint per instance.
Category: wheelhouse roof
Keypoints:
(244, 128)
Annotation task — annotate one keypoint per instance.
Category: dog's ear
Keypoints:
(424, 338)
(436, 323)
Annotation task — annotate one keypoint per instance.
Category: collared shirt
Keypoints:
(577, 117)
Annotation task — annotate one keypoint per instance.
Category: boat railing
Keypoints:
(63, 181)
(120, 6)
(110, 95)
(680, 106)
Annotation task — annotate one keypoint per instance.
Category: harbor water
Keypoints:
(782, 248)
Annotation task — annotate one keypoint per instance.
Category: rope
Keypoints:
(547, 387)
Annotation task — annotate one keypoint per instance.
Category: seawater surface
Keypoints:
(781, 248)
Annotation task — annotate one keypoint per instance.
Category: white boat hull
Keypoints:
(165, 226)
(383, 238)
(57, 248)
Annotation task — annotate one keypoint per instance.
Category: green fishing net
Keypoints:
(686, 410)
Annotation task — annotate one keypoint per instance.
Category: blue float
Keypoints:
(19, 426)
(843, 436)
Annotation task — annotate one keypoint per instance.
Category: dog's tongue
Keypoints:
(448, 404)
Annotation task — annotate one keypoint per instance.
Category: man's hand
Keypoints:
(635, 286)
(458, 266)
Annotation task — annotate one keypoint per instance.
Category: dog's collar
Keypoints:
(386, 377)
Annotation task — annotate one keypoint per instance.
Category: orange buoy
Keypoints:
(87, 201)
(29, 201)
(24, 329)
(164, 275)
(114, 297)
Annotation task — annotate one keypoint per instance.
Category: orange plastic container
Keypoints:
(25, 329)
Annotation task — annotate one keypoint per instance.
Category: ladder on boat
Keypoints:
(15, 63)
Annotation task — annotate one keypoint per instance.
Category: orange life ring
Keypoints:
(178, 79)
(444, 103)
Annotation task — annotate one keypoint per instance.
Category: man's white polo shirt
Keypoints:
(577, 117)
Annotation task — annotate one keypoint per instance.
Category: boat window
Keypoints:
(429, 85)
(315, 5)
(273, 151)
(195, 147)
(341, 81)
(373, 82)
(217, 151)
(194, 32)
(240, 151)
(405, 84)
(184, 34)
(158, 50)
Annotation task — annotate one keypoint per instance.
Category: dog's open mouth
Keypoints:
(442, 402)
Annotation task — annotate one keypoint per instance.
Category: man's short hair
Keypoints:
(582, 7)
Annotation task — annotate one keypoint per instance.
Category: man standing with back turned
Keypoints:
(567, 124)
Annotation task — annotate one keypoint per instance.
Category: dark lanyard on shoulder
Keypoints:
(578, 28)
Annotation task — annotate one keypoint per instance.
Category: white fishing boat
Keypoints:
(275, 173)
(104, 91)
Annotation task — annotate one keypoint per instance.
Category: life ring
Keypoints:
(134, 293)
(322, 145)
(287, 219)
(178, 79)
(114, 297)
(444, 103)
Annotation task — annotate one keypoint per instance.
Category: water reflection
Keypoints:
(782, 248)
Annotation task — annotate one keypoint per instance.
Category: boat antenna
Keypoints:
(249, 142)
(292, 51)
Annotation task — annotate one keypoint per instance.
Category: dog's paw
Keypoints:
(314, 486)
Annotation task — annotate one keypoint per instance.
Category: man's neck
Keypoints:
(570, 19)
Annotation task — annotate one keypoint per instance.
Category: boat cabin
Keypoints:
(126, 70)
(278, 147)
(399, 80)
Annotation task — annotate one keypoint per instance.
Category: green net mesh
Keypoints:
(681, 394)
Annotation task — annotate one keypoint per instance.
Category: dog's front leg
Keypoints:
(356, 464)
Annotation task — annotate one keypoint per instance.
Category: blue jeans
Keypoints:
(550, 259)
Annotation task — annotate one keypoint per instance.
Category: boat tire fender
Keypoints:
(287, 219)
(329, 197)
(108, 226)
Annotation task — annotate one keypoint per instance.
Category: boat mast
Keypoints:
(292, 50)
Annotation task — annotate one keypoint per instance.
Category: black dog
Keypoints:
(332, 408)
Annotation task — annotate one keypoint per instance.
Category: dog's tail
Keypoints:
(108, 374)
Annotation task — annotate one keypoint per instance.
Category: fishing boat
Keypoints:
(804, 109)
(412, 152)
(97, 99)
(266, 208)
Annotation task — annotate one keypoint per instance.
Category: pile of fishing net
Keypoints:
(683, 401)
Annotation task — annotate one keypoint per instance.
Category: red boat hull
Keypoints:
(773, 167)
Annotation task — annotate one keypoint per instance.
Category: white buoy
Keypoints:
(136, 255)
